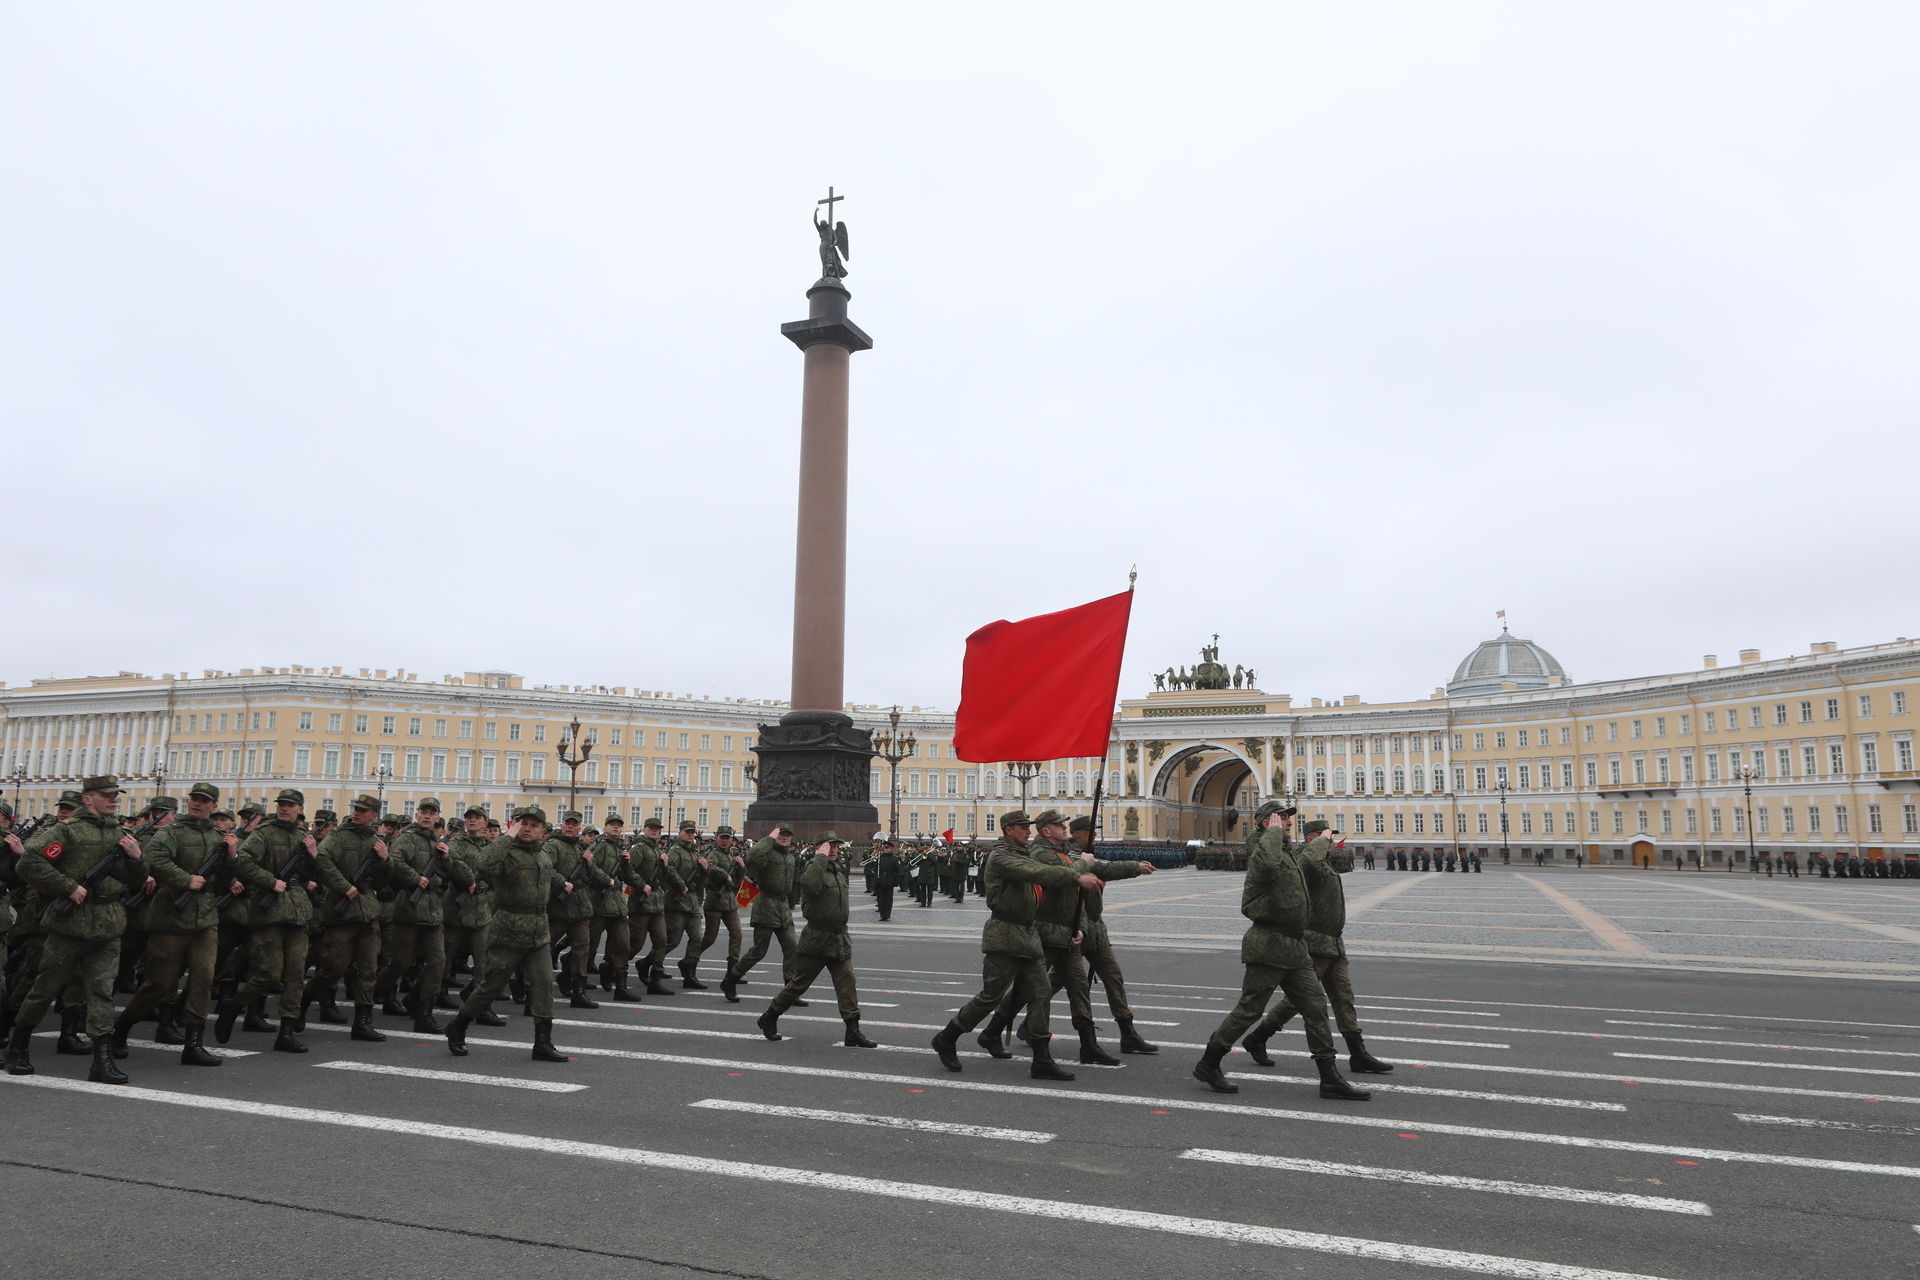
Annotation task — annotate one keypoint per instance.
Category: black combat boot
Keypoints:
(330, 1014)
(730, 988)
(255, 1021)
(1044, 1067)
(18, 1063)
(856, 1040)
(606, 975)
(1208, 1071)
(423, 1020)
(543, 1050)
(688, 982)
(769, 1024)
(1020, 1033)
(994, 1038)
(1091, 1054)
(390, 1006)
(194, 1052)
(122, 1025)
(73, 1041)
(6, 1020)
(947, 1045)
(1131, 1041)
(799, 1003)
(1332, 1086)
(169, 1026)
(287, 1041)
(488, 1018)
(225, 1016)
(445, 999)
(622, 993)
(581, 1000)
(457, 1036)
(1362, 1062)
(105, 1070)
(1256, 1044)
(656, 986)
(363, 1025)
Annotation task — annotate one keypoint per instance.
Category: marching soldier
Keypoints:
(725, 868)
(1010, 946)
(276, 864)
(684, 905)
(651, 881)
(961, 859)
(1097, 948)
(160, 811)
(571, 911)
(1323, 863)
(770, 866)
(85, 860)
(189, 861)
(416, 926)
(523, 878)
(353, 866)
(823, 944)
(886, 875)
(611, 855)
(468, 910)
(1275, 953)
(28, 939)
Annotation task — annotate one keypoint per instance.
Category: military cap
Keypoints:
(615, 820)
(689, 826)
(831, 837)
(364, 801)
(474, 811)
(428, 803)
(1080, 824)
(1050, 818)
(1315, 827)
(1016, 818)
(167, 803)
(105, 783)
(6, 810)
(203, 791)
(223, 813)
(723, 832)
(572, 815)
(290, 795)
(652, 824)
(532, 811)
(325, 815)
(392, 820)
(782, 831)
(1270, 808)
(253, 806)
(69, 800)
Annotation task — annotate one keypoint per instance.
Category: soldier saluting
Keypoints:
(823, 944)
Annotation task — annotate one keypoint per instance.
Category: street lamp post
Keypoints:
(16, 779)
(1025, 771)
(571, 738)
(1506, 854)
(893, 746)
(1745, 773)
(381, 773)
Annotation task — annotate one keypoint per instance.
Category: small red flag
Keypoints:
(1043, 688)
(947, 835)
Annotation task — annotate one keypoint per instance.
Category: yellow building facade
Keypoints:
(1811, 752)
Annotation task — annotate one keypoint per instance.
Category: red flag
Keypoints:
(947, 835)
(1043, 688)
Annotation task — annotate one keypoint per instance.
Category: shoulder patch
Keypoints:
(54, 850)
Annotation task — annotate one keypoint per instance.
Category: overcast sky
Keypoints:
(445, 336)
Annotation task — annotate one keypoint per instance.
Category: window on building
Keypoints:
(1663, 768)
(1710, 721)
(413, 726)
(331, 760)
(1481, 823)
(1783, 762)
(302, 760)
(1809, 762)
(1458, 740)
(1753, 717)
(1900, 703)
(539, 768)
(1613, 772)
(1713, 766)
(706, 776)
(1479, 777)
(1833, 708)
(1842, 822)
(660, 739)
(1593, 822)
(1521, 739)
(413, 764)
(1903, 754)
(1499, 739)
(388, 724)
(1526, 823)
(1479, 742)
(1869, 756)
(1806, 713)
(706, 742)
(683, 742)
(1526, 777)
(1786, 819)
(1875, 824)
(1715, 822)
(1910, 819)
(306, 720)
(539, 733)
(1619, 823)
(1836, 759)
(359, 724)
(1864, 709)
(1586, 733)
(1546, 823)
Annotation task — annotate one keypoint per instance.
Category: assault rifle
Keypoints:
(109, 866)
(573, 876)
(184, 899)
(287, 875)
(359, 882)
(436, 865)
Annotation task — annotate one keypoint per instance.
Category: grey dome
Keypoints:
(1505, 660)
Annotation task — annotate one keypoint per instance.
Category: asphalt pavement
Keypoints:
(1616, 1111)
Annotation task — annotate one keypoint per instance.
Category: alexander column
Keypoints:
(814, 764)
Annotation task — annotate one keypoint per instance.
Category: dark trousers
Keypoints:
(276, 954)
(619, 940)
(1064, 969)
(168, 955)
(1001, 974)
(806, 969)
(651, 926)
(762, 938)
(535, 967)
(1102, 961)
(1300, 986)
(405, 944)
(1338, 985)
(344, 946)
(729, 917)
(578, 936)
(93, 962)
(884, 900)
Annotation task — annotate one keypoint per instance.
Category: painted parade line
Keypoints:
(459, 1077)
(1658, 1013)
(1829, 1067)
(132, 1043)
(809, 1017)
(879, 1122)
(1702, 1026)
(1539, 1191)
(1507, 1028)
(1844, 1125)
(1654, 1080)
(1579, 1104)
(757, 1036)
(1348, 1118)
(986, 1201)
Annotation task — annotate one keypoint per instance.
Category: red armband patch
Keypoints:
(54, 850)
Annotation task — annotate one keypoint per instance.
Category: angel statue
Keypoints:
(833, 247)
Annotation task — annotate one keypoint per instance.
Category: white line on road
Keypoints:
(132, 1043)
(1683, 1084)
(879, 1122)
(1662, 1013)
(1025, 1205)
(1580, 1104)
(1701, 1026)
(1846, 1125)
(1507, 1028)
(814, 1017)
(462, 1077)
(1540, 1191)
(1842, 1068)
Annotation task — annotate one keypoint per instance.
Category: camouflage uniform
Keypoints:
(769, 866)
(524, 882)
(350, 932)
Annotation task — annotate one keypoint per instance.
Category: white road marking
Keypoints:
(1683, 1084)
(1507, 1028)
(1273, 1113)
(1540, 1191)
(814, 1017)
(1662, 1013)
(1026, 1206)
(1843, 1068)
(132, 1043)
(879, 1122)
(1701, 1026)
(1846, 1125)
(461, 1077)
(755, 1035)
(1580, 1104)
(1894, 931)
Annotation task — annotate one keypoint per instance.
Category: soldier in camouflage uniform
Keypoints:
(1012, 952)
(469, 906)
(611, 855)
(653, 882)
(353, 865)
(685, 907)
(189, 861)
(523, 879)
(416, 924)
(1097, 949)
(1275, 953)
(770, 866)
(823, 944)
(29, 937)
(159, 813)
(725, 866)
(570, 914)
(82, 939)
(274, 865)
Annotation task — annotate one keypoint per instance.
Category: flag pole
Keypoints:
(1099, 787)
